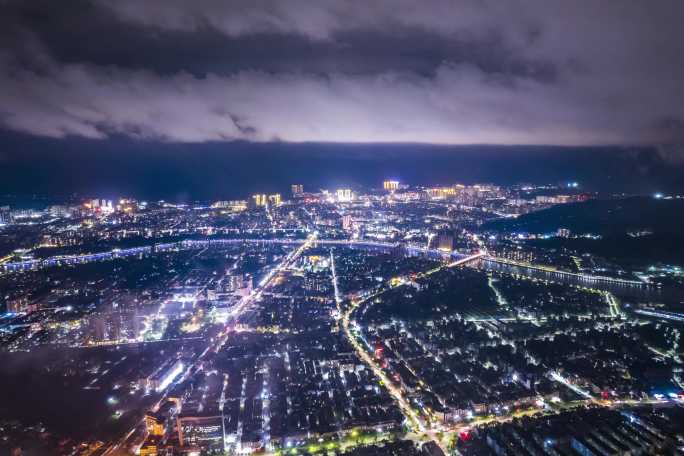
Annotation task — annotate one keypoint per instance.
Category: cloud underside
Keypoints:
(602, 85)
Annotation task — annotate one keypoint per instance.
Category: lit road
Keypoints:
(416, 422)
(338, 298)
(216, 343)
(583, 277)
(66, 260)
(613, 304)
(562, 380)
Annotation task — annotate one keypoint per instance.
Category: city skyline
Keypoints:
(341, 227)
(168, 100)
(420, 320)
(46, 167)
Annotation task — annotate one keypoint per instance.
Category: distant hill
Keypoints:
(606, 217)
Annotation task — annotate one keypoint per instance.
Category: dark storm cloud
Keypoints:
(529, 72)
(80, 32)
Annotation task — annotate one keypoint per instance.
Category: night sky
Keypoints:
(209, 98)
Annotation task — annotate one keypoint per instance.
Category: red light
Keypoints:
(378, 350)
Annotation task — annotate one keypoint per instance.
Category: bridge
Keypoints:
(189, 244)
(592, 279)
(408, 249)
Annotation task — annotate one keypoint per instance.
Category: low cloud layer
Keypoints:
(441, 72)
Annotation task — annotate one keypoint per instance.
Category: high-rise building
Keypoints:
(390, 185)
(344, 195)
(563, 232)
(445, 241)
(234, 206)
(150, 446)
(260, 199)
(441, 192)
(274, 199)
(18, 304)
(204, 430)
(316, 283)
(347, 222)
(237, 283)
(113, 326)
(297, 189)
(5, 215)
(154, 424)
(100, 205)
(58, 210)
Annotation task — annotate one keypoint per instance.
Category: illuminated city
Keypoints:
(341, 228)
(422, 318)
